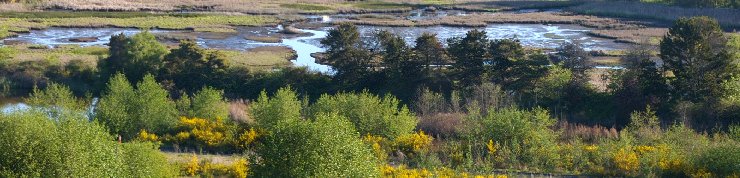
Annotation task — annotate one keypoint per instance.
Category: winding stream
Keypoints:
(305, 49)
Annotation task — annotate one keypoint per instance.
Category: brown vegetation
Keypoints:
(480, 20)
(637, 36)
(440, 124)
(238, 111)
(586, 133)
(728, 18)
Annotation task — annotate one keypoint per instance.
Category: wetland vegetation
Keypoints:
(422, 88)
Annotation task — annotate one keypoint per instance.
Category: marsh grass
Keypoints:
(510, 5)
(201, 23)
(78, 14)
(306, 7)
(382, 5)
(637, 36)
(728, 18)
(480, 20)
(261, 58)
(60, 55)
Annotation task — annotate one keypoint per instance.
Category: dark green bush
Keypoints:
(721, 161)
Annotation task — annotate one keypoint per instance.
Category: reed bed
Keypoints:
(480, 20)
(586, 133)
(637, 36)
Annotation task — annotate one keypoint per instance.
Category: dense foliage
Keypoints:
(70, 146)
(478, 105)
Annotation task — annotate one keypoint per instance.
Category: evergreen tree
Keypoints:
(575, 58)
(346, 54)
(695, 51)
(469, 54)
(191, 68)
(430, 51)
(133, 56)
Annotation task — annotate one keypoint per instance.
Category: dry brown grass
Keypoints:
(507, 5)
(265, 39)
(238, 111)
(638, 36)
(441, 124)
(729, 18)
(586, 133)
(480, 20)
(184, 158)
(13, 7)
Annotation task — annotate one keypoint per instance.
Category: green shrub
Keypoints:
(370, 114)
(326, 147)
(143, 160)
(209, 103)
(133, 56)
(283, 108)
(30, 146)
(721, 161)
(55, 98)
(35, 146)
(521, 136)
(126, 111)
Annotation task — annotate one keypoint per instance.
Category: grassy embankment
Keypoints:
(15, 22)
(263, 58)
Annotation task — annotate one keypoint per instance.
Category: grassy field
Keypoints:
(23, 22)
(60, 55)
(262, 58)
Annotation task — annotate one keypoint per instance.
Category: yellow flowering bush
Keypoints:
(239, 168)
(146, 136)
(182, 136)
(644, 149)
(414, 142)
(193, 166)
(246, 138)
(375, 143)
(491, 147)
(626, 161)
(591, 148)
(211, 169)
(201, 132)
(403, 172)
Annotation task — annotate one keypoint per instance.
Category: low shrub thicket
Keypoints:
(70, 146)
